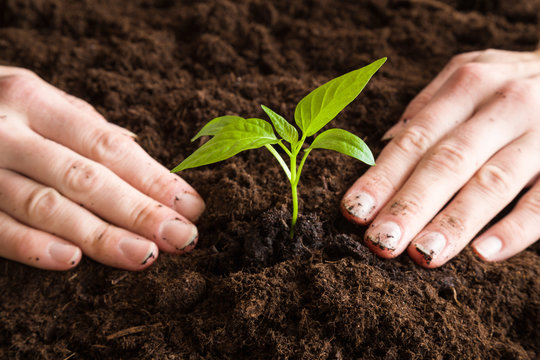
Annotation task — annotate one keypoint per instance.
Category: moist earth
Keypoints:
(163, 69)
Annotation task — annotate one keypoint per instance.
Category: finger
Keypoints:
(505, 56)
(450, 164)
(515, 232)
(493, 187)
(35, 248)
(485, 56)
(425, 96)
(455, 102)
(44, 209)
(47, 111)
(96, 188)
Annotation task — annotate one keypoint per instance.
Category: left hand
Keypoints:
(465, 147)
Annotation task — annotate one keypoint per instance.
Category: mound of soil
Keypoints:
(164, 68)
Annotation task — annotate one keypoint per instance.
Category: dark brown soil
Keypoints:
(163, 69)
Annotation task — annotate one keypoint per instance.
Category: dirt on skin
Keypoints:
(163, 69)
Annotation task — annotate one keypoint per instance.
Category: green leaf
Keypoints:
(214, 126)
(230, 139)
(283, 127)
(321, 105)
(344, 142)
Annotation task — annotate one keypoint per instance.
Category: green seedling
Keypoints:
(233, 134)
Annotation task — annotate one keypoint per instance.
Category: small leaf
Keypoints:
(229, 140)
(344, 142)
(321, 105)
(215, 125)
(283, 127)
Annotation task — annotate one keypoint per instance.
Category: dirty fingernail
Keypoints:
(387, 136)
(190, 205)
(385, 235)
(488, 247)
(359, 205)
(394, 130)
(180, 234)
(65, 253)
(431, 245)
(138, 250)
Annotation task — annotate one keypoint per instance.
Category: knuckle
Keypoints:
(83, 176)
(406, 206)
(142, 214)
(99, 238)
(157, 183)
(459, 59)
(447, 157)
(489, 54)
(110, 147)
(531, 202)
(494, 179)
(518, 91)
(468, 77)
(21, 85)
(25, 245)
(414, 138)
(43, 203)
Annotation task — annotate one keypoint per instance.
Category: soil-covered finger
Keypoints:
(100, 191)
(492, 188)
(43, 208)
(513, 233)
(33, 247)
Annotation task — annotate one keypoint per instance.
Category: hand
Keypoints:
(72, 183)
(465, 147)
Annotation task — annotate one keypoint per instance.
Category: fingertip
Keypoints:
(384, 238)
(189, 204)
(64, 255)
(428, 249)
(488, 248)
(358, 206)
(177, 235)
(136, 253)
(379, 251)
(421, 257)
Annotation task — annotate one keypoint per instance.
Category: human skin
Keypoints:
(464, 148)
(73, 183)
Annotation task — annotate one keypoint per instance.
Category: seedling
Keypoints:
(233, 134)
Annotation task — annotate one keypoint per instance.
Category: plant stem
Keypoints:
(295, 178)
(295, 208)
(294, 192)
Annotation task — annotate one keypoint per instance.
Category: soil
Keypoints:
(163, 69)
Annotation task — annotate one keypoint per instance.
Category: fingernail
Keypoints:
(190, 205)
(394, 130)
(387, 136)
(124, 131)
(431, 245)
(180, 234)
(385, 235)
(64, 253)
(359, 205)
(137, 250)
(488, 247)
